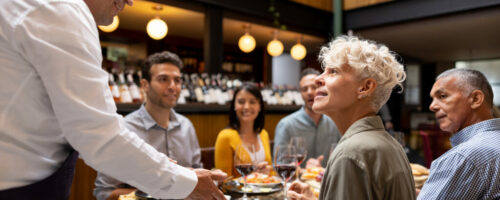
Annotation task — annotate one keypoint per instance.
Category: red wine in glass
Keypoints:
(286, 171)
(300, 158)
(245, 169)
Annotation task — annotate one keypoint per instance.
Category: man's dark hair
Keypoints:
(234, 123)
(159, 58)
(308, 71)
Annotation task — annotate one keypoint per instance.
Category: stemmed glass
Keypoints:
(285, 163)
(301, 151)
(243, 163)
(300, 147)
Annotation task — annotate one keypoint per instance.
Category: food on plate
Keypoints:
(258, 178)
(129, 196)
(420, 174)
(419, 170)
(313, 173)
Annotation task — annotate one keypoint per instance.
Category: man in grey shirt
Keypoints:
(157, 123)
(318, 130)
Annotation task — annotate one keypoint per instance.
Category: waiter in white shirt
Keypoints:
(54, 98)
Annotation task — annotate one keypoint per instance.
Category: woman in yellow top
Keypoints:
(246, 123)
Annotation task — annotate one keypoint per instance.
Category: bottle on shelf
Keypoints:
(198, 88)
(135, 93)
(115, 91)
(125, 96)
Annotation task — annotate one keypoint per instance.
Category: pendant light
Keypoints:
(246, 41)
(112, 27)
(157, 28)
(298, 51)
(275, 47)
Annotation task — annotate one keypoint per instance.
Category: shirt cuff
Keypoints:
(183, 184)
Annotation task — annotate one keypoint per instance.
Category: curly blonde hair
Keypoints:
(369, 60)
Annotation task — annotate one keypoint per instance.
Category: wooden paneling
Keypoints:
(208, 126)
(353, 4)
(319, 4)
(83, 182)
(347, 4)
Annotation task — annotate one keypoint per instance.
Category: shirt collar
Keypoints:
(364, 124)
(308, 118)
(149, 122)
(470, 131)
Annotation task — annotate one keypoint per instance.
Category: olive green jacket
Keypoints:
(368, 164)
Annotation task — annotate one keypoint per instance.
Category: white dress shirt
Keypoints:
(55, 94)
(178, 141)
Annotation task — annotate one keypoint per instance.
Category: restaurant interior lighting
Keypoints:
(275, 47)
(112, 27)
(298, 51)
(157, 28)
(246, 43)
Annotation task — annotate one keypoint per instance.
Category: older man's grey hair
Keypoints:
(368, 59)
(470, 80)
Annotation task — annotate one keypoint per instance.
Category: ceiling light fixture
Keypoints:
(298, 50)
(275, 47)
(246, 41)
(157, 28)
(112, 27)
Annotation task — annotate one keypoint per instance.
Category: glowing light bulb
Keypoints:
(112, 27)
(275, 47)
(298, 51)
(246, 43)
(157, 28)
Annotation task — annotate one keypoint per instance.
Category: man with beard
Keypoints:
(318, 130)
(463, 100)
(156, 122)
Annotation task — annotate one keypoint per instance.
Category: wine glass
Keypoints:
(243, 163)
(285, 163)
(300, 147)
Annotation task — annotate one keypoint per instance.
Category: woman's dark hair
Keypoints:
(234, 122)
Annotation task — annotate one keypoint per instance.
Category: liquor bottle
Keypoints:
(198, 87)
(125, 96)
(219, 96)
(135, 93)
(115, 91)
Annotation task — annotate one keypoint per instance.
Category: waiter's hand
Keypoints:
(206, 189)
(300, 191)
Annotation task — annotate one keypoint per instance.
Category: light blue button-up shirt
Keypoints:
(471, 169)
(319, 139)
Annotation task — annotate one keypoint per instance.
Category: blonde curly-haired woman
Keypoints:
(358, 78)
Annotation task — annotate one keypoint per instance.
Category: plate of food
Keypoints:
(313, 173)
(260, 180)
(313, 176)
(234, 186)
(143, 196)
(420, 174)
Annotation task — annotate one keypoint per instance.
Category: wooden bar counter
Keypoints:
(207, 119)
